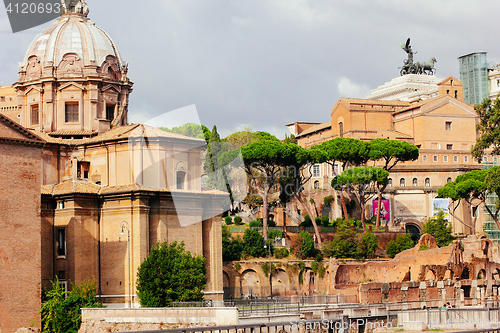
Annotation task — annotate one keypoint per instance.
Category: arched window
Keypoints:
(449, 180)
(456, 93)
(181, 175)
(316, 185)
(427, 182)
(415, 182)
(389, 182)
(402, 182)
(341, 129)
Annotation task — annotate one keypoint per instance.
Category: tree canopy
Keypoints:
(391, 152)
(488, 128)
(188, 129)
(170, 274)
(264, 160)
(475, 185)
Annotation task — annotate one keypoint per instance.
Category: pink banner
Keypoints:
(385, 211)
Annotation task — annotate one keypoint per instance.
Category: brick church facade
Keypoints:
(100, 177)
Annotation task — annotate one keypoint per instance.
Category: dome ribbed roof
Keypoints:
(73, 33)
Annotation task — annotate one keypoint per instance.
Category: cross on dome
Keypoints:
(74, 7)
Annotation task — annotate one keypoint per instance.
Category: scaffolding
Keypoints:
(490, 227)
(474, 76)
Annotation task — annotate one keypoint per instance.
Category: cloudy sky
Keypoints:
(265, 63)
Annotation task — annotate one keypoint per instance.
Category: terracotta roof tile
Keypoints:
(121, 132)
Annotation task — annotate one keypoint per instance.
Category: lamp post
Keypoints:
(124, 224)
(270, 270)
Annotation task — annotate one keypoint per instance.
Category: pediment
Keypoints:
(451, 81)
(110, 86)
(69, 84)
(33, 88)
(448, 106)
(9, 130)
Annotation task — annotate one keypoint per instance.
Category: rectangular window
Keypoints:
(2, 98)
(485, 159)
(61, 275)
(466, 159)
(315, 170)
(34, 114)
(71, 112)
(110, 112)
(335, 170)
(424, 158)
(455, 159)
(61, 242)
(449, 147)
(448, 125)
(495, 159)
(445, 158)
(435, 158)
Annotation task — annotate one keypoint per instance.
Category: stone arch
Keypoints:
(481, 274)
(430, 275)
(448, 275)
(280, 282)
(495, 274)
(250, 283)
(413, 228)
(110, 68)
(180, 176)
(226, 284)
(225, 279)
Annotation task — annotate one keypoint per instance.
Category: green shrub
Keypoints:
(254, 224)
(367, 245)
(232, 248)
(238, 220)
(307, 222)
(272, 234)
(228, 220)
(348, 244)
(254, 243)
(170, 274)
(281, 252)
(303, 245)
(61, 312)
(402, 242)
(328, 200)
(437, 227)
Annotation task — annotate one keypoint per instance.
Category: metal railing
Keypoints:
(341, 324)
(480, 319)
(290, 304)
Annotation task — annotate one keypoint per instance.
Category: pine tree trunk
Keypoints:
(310, 212)
(264, 215)
(377, 224)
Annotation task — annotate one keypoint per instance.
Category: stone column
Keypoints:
(422, 294)
(462, 298)
(473, 292)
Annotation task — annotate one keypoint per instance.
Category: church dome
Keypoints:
(73, 33)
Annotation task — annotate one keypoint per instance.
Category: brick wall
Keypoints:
(20, 259)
